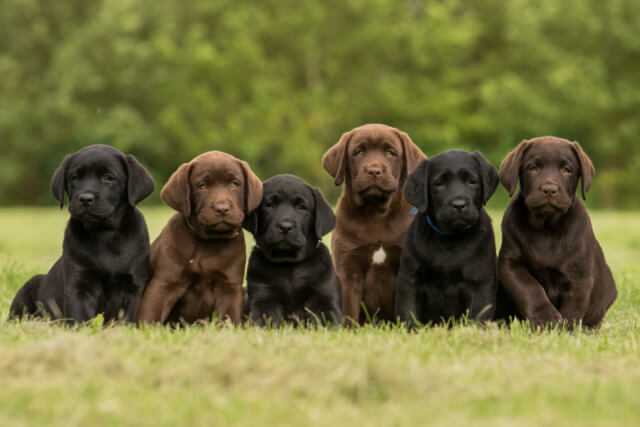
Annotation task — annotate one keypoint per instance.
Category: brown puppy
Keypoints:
(372, 215)
(551, 266)
(198, 259)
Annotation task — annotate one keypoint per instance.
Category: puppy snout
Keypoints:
(285, 226)
(373, 170)
(86, 198)
(222, 208)
(459, 204)
(549, 189)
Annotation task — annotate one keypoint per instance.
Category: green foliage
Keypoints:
(276, 82)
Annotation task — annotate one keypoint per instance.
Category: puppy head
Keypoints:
(549, 169)
(99, 180)
(375, 161)
(214, 192)
(452, 187)
(291, 219)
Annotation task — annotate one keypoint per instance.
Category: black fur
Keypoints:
(104, 266)
(290, 274)
(446, 272)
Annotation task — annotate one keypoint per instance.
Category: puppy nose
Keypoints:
(222, 208)
(86, 198)
(285, 226)
(459, 204)
(549, 190)
(374, 170)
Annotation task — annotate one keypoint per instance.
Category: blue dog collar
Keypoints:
(436, 229)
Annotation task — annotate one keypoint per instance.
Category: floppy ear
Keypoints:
(586, 168)
(177, 191)
(416, 190)
(411, 153)
(140, 184)
(489, 177)
(325, 218)
(334, 160)
(510, 167)
(59, 180)
(252, 189)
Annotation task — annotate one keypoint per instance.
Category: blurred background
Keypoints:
(276, 82)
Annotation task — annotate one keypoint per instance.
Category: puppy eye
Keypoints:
(75, 178)
(439, 183)
(565, 170)
(107, 178)
(202, 185)
(235, 183)
(391, 153)
(471, 181)
(533, 168)
(358, 152)
(301, 207)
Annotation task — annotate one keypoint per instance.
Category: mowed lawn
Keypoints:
(217, 375)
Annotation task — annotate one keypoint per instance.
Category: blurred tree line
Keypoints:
(276, 82)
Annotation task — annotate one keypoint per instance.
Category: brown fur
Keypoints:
(199, 257)
(370, 217)
(551, 268)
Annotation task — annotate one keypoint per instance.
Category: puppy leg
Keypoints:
(228, 302)
(159, 299)
(406, 304)
(575, 300)
(25, 300)
(483, 302)
(527, 293)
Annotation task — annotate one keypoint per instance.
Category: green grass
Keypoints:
(217, 375)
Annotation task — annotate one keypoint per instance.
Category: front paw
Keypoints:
(546, 316)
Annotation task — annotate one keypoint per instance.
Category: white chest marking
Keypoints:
(379, 256)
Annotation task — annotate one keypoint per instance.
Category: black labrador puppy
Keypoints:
(448, 263)
(290, 275)
(104, 266)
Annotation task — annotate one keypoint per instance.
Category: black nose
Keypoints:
(86, 198)
(459, 204)
(285, 226)
(374, 170)
(549, 190)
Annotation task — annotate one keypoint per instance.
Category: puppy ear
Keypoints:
(489, 177)
(510, 167)
(140, 184)
(252, 189)
(334, 160)
(586, 168)
(177, 192)
(411, 153)
(59, 181)
(416, 190)
(325, 218)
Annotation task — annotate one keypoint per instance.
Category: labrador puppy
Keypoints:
(199, 257)
(290, 275)
(373, 161)
(104, 265)
(448, 263)
(551, 268)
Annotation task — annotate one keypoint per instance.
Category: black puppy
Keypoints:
(104, 266)
(448, 263)
(290, 274)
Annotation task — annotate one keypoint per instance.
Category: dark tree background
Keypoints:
(276, 82)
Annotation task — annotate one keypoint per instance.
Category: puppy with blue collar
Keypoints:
(448, 262)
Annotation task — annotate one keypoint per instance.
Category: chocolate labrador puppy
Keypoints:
(448, 263)
(105, 252)
(199, 257)
(550, 266)
(290, 274)
(372, 215)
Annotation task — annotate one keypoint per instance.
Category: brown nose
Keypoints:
(549, 190)
(374, 170)
(222, 208)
